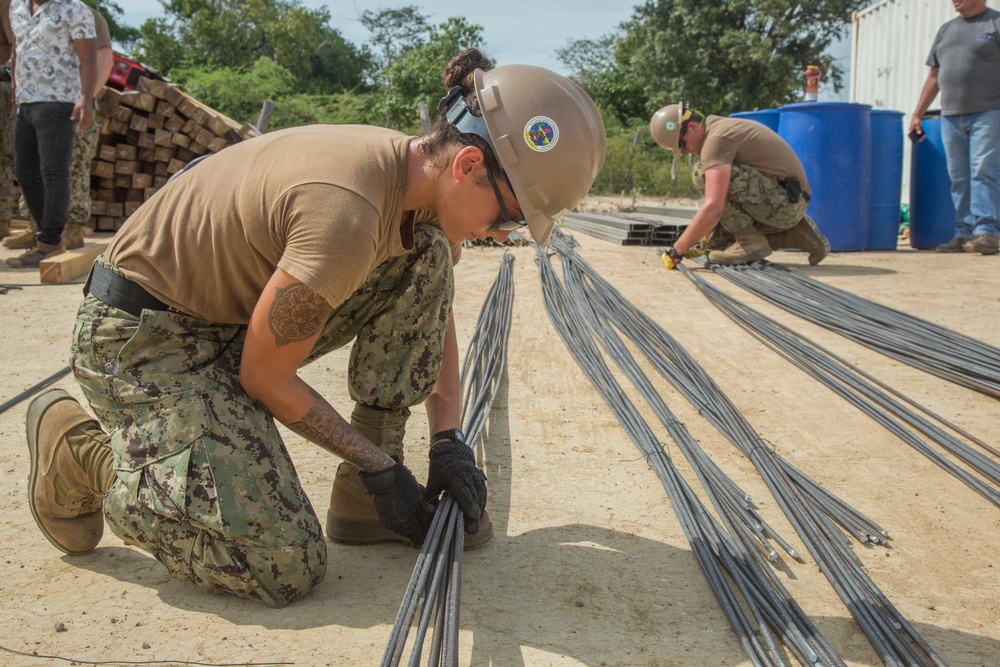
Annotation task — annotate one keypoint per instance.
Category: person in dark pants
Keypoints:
(54, 65)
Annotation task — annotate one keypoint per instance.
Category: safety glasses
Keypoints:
(507, 223)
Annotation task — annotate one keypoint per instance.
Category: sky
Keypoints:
(515, 31)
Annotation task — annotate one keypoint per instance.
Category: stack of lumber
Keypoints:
(147, 135)
(628, 228)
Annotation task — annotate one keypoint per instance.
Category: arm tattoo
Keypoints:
(296, 313)
(322, 425)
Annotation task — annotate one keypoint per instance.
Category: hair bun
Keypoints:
(460, 70)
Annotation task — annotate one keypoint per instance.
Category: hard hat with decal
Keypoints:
(548, 136)
(665, 126)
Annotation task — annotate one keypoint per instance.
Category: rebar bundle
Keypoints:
(733, 552)
(810, 509)
(864, 392)
(901, 336)
(436, 582)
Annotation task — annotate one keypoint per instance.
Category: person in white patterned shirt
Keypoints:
(54, 66)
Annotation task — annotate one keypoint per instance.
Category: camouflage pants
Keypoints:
(8, 194)
(203, 481)
(84, 150)
(755, 200)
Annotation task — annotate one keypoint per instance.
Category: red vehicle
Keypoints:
(125, 73)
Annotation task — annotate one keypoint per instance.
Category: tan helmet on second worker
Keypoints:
(548, 136)
(665, 126)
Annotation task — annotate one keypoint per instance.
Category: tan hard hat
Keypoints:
(665, 126)
(548, 136)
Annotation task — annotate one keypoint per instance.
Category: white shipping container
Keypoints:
(890, 44)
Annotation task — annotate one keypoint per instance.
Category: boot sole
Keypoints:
(356, 532)
(36, 409)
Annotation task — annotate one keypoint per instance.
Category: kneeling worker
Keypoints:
(756, 192)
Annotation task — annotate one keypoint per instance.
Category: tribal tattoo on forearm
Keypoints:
(322, 425)
(296, 313)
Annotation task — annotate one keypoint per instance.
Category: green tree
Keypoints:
(121, 33)
(235, 34)
(594, 65)
(415, 77)
(394, 32)
(731, 55)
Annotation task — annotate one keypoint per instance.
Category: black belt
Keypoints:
(120, 292)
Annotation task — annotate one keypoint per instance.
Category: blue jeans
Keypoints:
(972, 146)
(43, 152)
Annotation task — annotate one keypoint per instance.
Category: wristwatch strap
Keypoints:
(448, 434)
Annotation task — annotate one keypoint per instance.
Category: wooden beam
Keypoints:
(70, 264)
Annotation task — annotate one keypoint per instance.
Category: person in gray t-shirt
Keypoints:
(965, 68)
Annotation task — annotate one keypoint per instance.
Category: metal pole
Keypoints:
(33, 389)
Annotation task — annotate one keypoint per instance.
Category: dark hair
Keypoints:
(460, 71)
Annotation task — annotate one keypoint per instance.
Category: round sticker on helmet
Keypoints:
(671, 125)
(541, 134)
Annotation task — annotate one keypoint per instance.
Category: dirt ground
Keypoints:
(589, 565)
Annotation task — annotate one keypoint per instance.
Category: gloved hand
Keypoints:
(453, 468)
(671, 258)
(399, 501)
(698, 249)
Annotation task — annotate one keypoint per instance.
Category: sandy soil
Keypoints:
(589, 565)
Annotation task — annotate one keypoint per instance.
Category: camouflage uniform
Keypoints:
(754, 200)
(8, 195)
(84, 150)
(204, 482)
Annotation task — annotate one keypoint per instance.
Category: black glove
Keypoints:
(399, 501)
(453, 468)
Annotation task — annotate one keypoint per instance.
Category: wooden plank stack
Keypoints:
(147, 135)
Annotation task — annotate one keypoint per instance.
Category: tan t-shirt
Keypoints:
(747, 142)
(322, 202)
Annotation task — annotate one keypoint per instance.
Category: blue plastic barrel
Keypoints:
(887, 179)
(932, 212)
(768, 117)
(833, 140)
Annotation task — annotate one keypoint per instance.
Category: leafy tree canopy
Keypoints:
(416, 76)
(121, 33)
(235, 34)
(721, 56)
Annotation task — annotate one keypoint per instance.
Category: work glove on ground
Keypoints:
(399, 501)
(453, 469)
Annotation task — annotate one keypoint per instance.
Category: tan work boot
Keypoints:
(352, 518)
(22, 240)
(72, 236)
(806, 236)
(749, 246)
(32, 258)
(62, 498)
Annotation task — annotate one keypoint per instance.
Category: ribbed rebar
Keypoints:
(914, 341)
(857, 388)
(435, 585)
(728, 550)
(805, 504)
